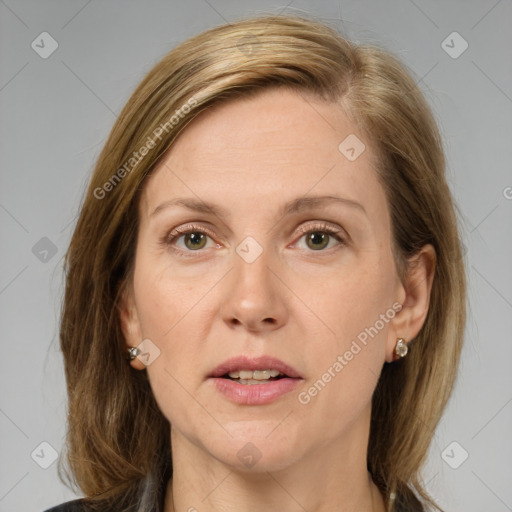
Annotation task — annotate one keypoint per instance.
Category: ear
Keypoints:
(129, 319)
(416, 289)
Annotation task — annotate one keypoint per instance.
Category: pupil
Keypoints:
(318, 237)
(195, 239)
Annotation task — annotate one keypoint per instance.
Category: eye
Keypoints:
(318, 236)
(194, 238)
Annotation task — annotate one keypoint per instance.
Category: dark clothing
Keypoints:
(75, 506)
(69, 506)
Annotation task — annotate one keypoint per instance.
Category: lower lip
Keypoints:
(255, 394)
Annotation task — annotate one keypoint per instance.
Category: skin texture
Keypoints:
(304, 303)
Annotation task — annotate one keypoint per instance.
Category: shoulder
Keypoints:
(68, 506)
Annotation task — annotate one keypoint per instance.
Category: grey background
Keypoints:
(57, 112)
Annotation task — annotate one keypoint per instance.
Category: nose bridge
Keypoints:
(253, 297)
(252, 266)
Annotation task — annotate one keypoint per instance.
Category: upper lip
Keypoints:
(254, 363)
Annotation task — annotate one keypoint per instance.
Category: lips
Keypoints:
(254, 392)
(254, 363)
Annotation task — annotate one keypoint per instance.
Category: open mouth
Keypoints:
(247, 380)
(250, 377)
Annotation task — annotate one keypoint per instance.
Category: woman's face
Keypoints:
(278, 271)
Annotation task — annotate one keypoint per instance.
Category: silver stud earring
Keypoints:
(133, 352)
(401, 348)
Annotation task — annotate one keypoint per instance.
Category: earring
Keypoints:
(133, 352)
(401, 348)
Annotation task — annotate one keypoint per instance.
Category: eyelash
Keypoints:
(192, 228)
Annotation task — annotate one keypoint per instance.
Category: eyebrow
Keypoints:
(293, 206)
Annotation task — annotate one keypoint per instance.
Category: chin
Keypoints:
(256, 446)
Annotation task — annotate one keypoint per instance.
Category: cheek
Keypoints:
(353, 299)
(356, 307)
(171, 312)
(165, 308)
(166, 297)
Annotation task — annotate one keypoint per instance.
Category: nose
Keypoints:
(255, 296)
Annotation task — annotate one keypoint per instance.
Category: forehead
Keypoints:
(271, 147)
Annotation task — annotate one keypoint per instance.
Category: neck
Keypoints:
(330, 478)
(242, 495)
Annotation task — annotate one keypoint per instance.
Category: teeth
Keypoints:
(254, 375)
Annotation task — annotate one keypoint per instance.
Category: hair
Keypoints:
(117, 439)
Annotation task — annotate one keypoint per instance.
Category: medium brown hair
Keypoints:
(118, 441)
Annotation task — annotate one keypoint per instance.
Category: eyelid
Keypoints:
(187, 228)
(322, 225)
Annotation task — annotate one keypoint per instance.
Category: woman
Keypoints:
(269, 237)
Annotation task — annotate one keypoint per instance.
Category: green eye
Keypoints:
(318, 238)
(197, 240)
